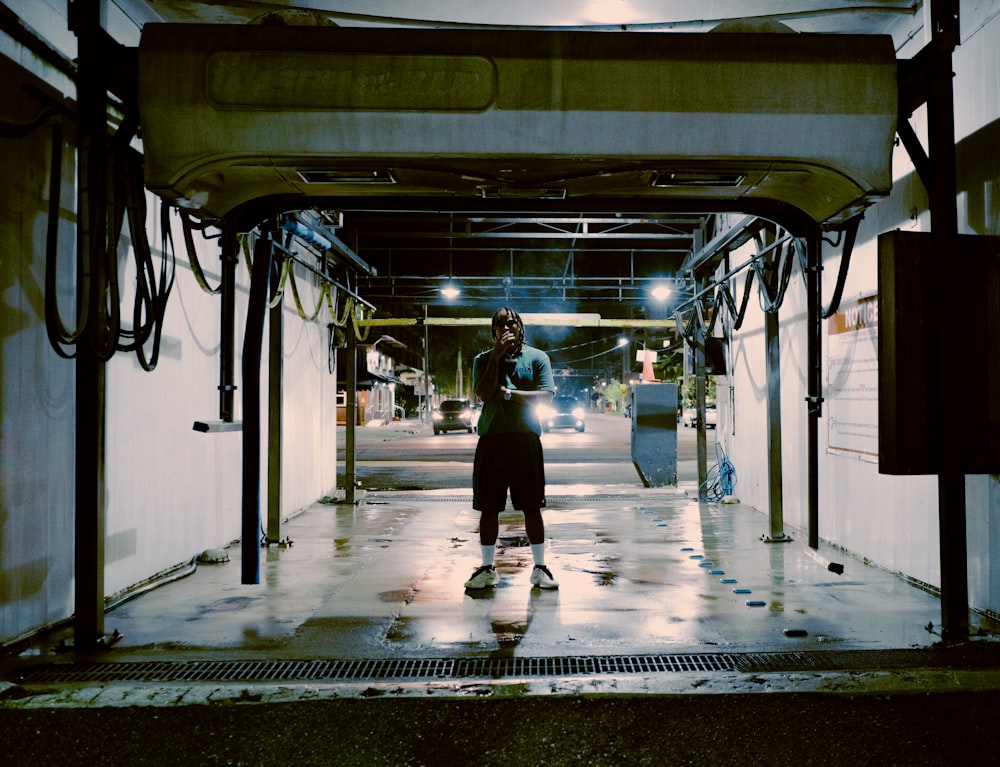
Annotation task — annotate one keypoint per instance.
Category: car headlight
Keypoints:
(466, 414)
(543, 412)
(436, 416)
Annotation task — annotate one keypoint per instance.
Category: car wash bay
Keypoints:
(179, 187)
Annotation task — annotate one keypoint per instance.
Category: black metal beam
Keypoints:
(227, 321)
(275, 409)
(91, 388)
(253, 340)
(927, 79)
(814, 380)
(944, 225)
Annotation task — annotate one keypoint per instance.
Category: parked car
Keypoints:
(563, 413)
(454, 415)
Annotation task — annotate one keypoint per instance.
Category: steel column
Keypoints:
(814, 382)
(350, 415)
(944, 224)
(275, 399)
(91, 387)
(253, 340)
(775, 508)
(699, 397)
(227, 324)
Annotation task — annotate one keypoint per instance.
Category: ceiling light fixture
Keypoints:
(688, 178)
(522, 193)
(336, 176)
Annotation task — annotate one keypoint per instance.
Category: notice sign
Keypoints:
(852, 378)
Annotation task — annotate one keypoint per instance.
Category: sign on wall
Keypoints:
(852, 379)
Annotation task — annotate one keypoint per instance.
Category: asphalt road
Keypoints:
(408, 456)
(746, 730)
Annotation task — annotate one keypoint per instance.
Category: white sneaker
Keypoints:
(541, 576)
(483, 577)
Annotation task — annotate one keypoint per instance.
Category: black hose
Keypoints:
(851, 234)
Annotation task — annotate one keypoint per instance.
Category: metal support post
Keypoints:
(88, 626)
(275, 398)
(351, 411)
(427, 371)
(814, 383)
(253, 340)
(227, 324)
(699, 399)
(91, 387)
(944, 224)
(776, 520)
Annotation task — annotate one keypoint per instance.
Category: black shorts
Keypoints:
(508, 462)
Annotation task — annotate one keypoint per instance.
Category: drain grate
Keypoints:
(421, 668)
(970, 656)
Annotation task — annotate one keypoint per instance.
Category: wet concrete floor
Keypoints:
(643, 572)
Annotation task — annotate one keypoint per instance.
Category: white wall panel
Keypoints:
(172, 491)
(36, 388)
(890, 521)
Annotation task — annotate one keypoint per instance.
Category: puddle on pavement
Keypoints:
(399, 630)
(398, 595)
(229, 604)
(509, 634)
(513, 542)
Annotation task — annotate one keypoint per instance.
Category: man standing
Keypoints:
(511, 379)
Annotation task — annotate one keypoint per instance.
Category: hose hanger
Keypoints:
(774, 277)
(332, 299)
(693, 330)
(715, 310)
(23, 130)
(59, 335)
(331, 288)
(152, 293)
(358, 318)
(850, 232)
(742, 313)
(279, 291)
(288, 278)
(199, 273)
(119, 192)
(323, 292)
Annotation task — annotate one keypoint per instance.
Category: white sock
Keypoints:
(489, 554)
(538, 552)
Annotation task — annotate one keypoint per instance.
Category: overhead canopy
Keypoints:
(232, 113)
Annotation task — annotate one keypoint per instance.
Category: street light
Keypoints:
(623, 343)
